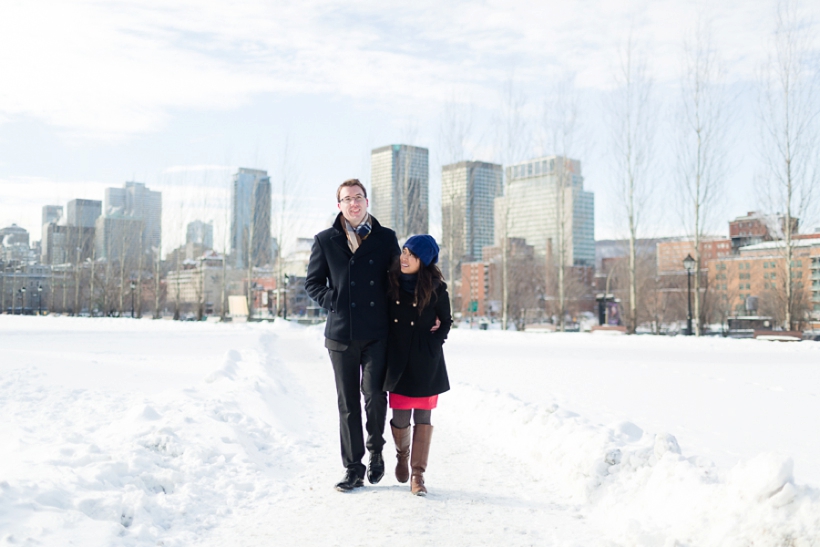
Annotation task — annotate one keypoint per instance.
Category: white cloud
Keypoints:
(107, 69)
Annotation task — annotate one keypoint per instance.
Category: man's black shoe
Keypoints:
(375, 471)
(352, 480)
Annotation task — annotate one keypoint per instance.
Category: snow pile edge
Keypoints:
(641, 487)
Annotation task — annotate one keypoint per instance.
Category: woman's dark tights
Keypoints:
(401, 418)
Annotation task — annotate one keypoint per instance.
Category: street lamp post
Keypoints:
(39, 299)
(133, 288)
(689, 265)
(22, 300)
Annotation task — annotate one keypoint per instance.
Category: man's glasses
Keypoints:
(354, 199)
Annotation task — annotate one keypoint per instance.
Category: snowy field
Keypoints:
(143, 433)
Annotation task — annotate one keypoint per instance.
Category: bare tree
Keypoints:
(157, 274)
(287, 222)
(78, 273)
(2, 287)
(559, 133)
(632, 116)
(140, 265)
(106, 280)
(64, 279)
(286, 187)
(91, 281)
(526, 284)
(454, 132)
(789, 112)
(717, 298)
(223, 314)
(654, 291)
(702, 122)
(512, 141)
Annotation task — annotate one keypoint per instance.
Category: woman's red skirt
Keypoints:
(401, 402)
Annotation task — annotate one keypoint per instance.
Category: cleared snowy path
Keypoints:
(481, 492)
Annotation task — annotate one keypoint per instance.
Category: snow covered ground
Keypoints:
(137, 433)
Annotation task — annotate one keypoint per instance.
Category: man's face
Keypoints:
(353, 204)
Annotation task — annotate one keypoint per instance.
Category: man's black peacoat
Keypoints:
(352, 287)
(415, 359)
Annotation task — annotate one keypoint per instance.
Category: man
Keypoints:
(347, 275)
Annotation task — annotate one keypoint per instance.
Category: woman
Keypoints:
(416, 373)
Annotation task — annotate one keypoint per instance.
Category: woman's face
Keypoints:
(410, 263)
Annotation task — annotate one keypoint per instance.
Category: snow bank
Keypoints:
(96, 467)
(641, 487)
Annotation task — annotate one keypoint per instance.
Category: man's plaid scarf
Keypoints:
(356, 235)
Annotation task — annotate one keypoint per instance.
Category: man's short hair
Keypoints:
(351, 182)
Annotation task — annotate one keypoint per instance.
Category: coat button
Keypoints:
(411, 323)
(397, 301)
(352, 283)
(352, 261)
(352, 304)
(372, 304)
(371, 262)
(414, 304)
(395, 320)
(372, 283)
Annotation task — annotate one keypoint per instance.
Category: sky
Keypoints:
(178, 93)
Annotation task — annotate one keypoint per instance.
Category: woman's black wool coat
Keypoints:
(415, 360)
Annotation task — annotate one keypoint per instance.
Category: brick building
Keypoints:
(759, 271)
(475, 289)
(671, 253)
(755, 228)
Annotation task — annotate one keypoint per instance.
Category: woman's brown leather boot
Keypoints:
(422, 433)
(402, 439)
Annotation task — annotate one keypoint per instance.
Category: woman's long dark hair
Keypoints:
(429, 279)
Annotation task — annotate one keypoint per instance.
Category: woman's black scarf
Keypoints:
(407, 282)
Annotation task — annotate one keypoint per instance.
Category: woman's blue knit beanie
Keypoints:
(424, 247)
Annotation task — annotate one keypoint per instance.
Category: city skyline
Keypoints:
(185, 93)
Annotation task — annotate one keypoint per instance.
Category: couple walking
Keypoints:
(388, 316)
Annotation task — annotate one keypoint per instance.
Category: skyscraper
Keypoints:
(251, 217)
(69, 242)
(135, 200)
(468, 191)
(83, 213)
(399, 180)
(132, 223)
(51, 213)
(544, 198)
(201, 233)
(117, 238)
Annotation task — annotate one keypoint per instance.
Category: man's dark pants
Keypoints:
(361, 365)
